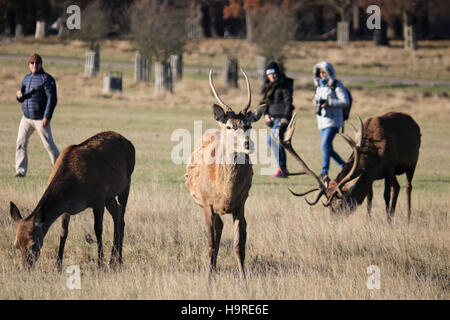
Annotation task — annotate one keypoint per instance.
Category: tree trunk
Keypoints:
(318, 20)
(206, 21)
(261, 63)
(409, 34)
(163, 77)
(230, 71)
(380, 35)
(356, 18)
(249, 26)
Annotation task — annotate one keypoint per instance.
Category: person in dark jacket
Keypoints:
(38, 97)
(278, 91)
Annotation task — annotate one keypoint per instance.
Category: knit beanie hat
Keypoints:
(272, 67)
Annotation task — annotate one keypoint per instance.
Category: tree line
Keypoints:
(314, 20)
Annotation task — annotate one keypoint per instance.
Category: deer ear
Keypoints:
(219, 114)
(349, 186)
(256, 114)
(15, 213)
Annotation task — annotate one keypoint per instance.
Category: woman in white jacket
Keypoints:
(331, 96)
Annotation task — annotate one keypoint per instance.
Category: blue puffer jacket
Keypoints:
(39, 95)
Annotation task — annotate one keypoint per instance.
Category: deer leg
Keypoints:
(240, 238)
(208, 211)
(114, 210)
(409, 177)
(99, 210)
(369, 201)
(65, 220)
(123, 199)
(395, 189)
(217, 225)
(387, 195)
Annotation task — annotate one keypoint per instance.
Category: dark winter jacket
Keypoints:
(39, 95)
(278, 97)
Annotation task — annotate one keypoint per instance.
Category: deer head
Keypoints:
(339, 194)
(235, 126)
(28, 237)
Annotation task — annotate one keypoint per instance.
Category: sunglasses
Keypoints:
(323, 72)
(33, 62)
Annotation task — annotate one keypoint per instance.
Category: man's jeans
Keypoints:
(327, 135)
(26, 128)
(277, 150)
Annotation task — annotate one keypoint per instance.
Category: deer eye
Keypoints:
(229, 127)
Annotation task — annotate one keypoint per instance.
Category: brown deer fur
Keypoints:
(221, 187)
(88, 175)
(389, 147)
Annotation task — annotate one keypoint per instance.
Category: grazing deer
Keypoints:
(220, 188)
(388, 146)
(88, 175)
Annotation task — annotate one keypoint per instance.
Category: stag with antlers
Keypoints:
(221, 186)
(388, 145)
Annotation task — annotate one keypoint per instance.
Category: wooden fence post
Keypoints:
(176, 64)
(92, 63)
(142, 68)
(343, 33)
(163, 76)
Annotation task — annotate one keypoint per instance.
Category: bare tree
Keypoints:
(159, 30)
(95, 25)
(272, 31)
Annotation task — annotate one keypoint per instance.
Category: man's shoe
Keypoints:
(278, 174)
(18, 175)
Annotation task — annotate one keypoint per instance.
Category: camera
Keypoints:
(318, 104)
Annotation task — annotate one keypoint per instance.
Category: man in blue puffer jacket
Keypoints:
(38, 97)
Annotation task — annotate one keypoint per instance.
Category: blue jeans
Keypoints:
(327, 135)
(277, 150)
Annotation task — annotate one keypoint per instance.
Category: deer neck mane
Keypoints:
(233, 165)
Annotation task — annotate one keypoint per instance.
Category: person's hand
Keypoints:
(269, 122)
(19, 94)
(45, 122)
(284, 123)
(313, 101)
(324, 105)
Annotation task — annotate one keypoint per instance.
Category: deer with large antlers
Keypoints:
(88, 175)
(219, 174)
(388, 145)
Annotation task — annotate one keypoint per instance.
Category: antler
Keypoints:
(356, 155)
(249, 91)
(223, 104)
(286, 143)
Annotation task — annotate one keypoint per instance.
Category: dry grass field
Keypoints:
(293, 251)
